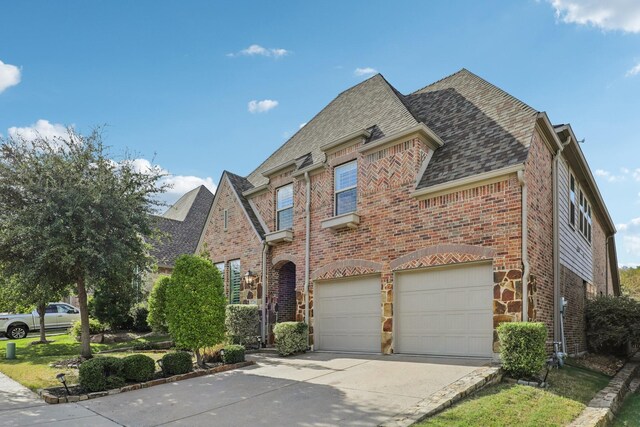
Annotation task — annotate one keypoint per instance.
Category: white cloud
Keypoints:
(257, 50)
(302, 125)
(178, 184)
(9, 76)
(628, 239)
(364, 71)
(611, 177)
(621, 15)
(41, 128)
(633, 71)
(262, 106)
(636, 174)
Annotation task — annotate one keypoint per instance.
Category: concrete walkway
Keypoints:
(316, 389)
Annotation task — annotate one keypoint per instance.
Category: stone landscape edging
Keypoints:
(602, 408)
(52, 399)
(446, 397)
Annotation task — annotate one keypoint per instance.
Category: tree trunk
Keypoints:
(85, 338)
(41, 311)
(199, 361)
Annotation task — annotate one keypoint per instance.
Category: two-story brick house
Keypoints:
(417, 223)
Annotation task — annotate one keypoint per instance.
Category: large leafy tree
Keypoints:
(195, 304)
(630, 281)
(70, 214)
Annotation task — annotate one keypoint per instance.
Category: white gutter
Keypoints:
(306, 251)
(265, 248)
(525, 255)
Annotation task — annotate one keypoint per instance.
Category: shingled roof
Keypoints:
(241, 185)
(181, 226)
(370, 103)
(483, 127)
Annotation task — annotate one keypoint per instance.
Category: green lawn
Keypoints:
(509, 404)
(31, 368)
(629, 414)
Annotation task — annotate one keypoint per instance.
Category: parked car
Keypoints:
(57, 315)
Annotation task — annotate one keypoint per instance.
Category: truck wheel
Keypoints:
(15, 332)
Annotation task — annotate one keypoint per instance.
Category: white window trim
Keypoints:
(283, 209)
(342, 190)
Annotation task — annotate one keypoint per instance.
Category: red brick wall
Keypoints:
(539, 179)
(599, 248)
(572, 287)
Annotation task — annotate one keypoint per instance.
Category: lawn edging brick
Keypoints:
(602, 408)
(53, 399)
(446, 397)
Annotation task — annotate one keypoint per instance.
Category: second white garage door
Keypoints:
(347, 314)
(445, 311)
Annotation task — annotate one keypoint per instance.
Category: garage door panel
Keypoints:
(445, 311)
(347, 314)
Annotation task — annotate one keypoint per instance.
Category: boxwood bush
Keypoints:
(101, 373)
(242, 322)
(232, 353)
(291, 337)
(612, 323)
(522, 348)
(138, 367)
(177, 363)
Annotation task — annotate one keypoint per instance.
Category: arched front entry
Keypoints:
(282, 296)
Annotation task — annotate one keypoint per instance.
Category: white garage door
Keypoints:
(445, 311)
(347, 314)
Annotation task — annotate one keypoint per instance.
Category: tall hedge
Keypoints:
(523, 348)
(612, 323)
(157, 305)
(195, 305)
(242, 322)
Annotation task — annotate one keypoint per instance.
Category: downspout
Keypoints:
(307, 250)
(557, 332)
(265, 248)
(525, 255)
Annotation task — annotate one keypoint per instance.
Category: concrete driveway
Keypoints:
(315, 389)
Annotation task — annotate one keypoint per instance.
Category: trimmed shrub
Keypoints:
(232, 353)
(138, 367)
(139, 314)
(157, 305)
(195, 305)
(522, 348)
(291, 337)
(242, 322)
(177, 363)
(101, 373)
(95, 327)
(612, 323)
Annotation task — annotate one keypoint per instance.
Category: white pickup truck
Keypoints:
(57, 315)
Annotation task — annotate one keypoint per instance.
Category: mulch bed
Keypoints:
(608, 365)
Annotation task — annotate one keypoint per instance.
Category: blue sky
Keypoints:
(174, 81)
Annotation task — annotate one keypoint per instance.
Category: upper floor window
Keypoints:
(346, 187)
(572, 201)
(284, 208)
(585, 217)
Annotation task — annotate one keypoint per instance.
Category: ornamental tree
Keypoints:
(195, 304)
(157, 317)
(70, 214)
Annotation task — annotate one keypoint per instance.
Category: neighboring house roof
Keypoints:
(181, 226)
(239, 185)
